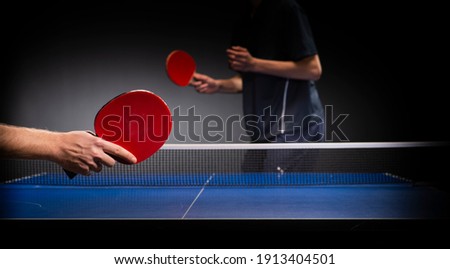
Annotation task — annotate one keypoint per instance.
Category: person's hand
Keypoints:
(240, 59)
(205, 84)
(81, 152)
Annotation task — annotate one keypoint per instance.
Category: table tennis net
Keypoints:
(253, 165)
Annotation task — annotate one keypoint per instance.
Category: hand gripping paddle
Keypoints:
(139, 121)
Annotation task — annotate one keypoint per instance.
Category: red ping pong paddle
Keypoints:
(180, 67)
(139, 121)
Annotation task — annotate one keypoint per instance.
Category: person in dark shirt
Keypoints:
(275, 56)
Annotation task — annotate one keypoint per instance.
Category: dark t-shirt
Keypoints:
(277, 107)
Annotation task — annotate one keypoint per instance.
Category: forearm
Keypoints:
(306, 69)
(76, 151)
(25, 143)
(231, 85)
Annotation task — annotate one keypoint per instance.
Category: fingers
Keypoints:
(196, 83)
(237, 53)
(200, 78)
(199, 81)
(238, 49)
(117, 152)
(106, 160)
(204, 83)
(239, 58)
(95, 166)
(84, 166)
(237, 65)
(205, 89)
(81, 169)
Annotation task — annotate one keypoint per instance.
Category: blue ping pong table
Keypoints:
(381, 196)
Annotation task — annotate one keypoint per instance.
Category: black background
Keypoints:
(384, 63)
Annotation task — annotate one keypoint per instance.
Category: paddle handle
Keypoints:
(69, 174)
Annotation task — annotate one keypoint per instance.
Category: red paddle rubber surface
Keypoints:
(180, 67)
(139, 121)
